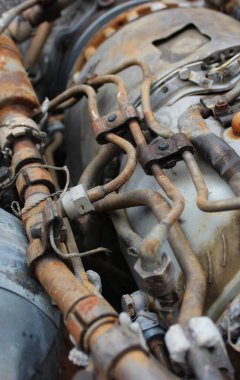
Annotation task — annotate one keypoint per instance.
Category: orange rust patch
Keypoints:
(231, 135)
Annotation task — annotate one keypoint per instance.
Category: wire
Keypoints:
(15, 204)
(15, 177)
(67, 256)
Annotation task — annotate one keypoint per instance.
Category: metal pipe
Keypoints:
(233, 94)
(104, 157)
(170, 190)
(36, 45)
(21, 29)
(215, 150)
(7, 17)
(202, 191)
(100, 192)
(74, 92)
(122, 97)
(194, 296)
(146, 84)
(49, 154)
(67, 292)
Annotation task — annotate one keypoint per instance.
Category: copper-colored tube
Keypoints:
(172, 192)
(146, 84)
(70, 96)
(49, 153)
(194, 296)
(202, 191)
(106, 154)
(66, 291)
(21, 29)
(164, 182)
(122, 97)
(100, 192)
(36, 45)
(8, 16)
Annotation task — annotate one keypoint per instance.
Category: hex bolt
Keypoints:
(184, 73)
(163, 145)
(127, 303)
(112, 118)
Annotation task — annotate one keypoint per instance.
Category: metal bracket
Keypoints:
(165, 152)
(115, 122)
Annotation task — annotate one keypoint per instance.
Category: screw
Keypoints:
(112, 118)
(184, 73)
(163, 145)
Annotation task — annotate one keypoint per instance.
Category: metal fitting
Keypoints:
(115, 122)
(16, 125)
(75, 202)
(134, 303)
(200, 332)
(158, 282)
(150, 325)
(165, 152)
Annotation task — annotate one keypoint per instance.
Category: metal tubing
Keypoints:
(8, 16)
(202, 191)
(37, 43)
(104, 157)
(146, 84)
(194, 296)
(100, 192)
(70, 96)
(66, 291)
(21, 29)
(170, 190)
(122, 97)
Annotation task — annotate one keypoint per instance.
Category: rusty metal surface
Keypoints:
(17, 87)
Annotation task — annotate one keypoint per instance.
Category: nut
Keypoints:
(75, 202)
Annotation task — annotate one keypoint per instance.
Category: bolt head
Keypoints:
(163, 145)
(112, 117)
(184, 73)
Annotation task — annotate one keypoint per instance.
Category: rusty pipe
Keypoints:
(72, 94)
(145, 89)
(104, 157)
(122, 97)
(215, 150)
(21, 29)
(194, 296)
(164, 182)
(49, 154)
(37, 43)
(100, 192)
(202, 191)
(69, 295)
(172, 192)
(7, 17)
